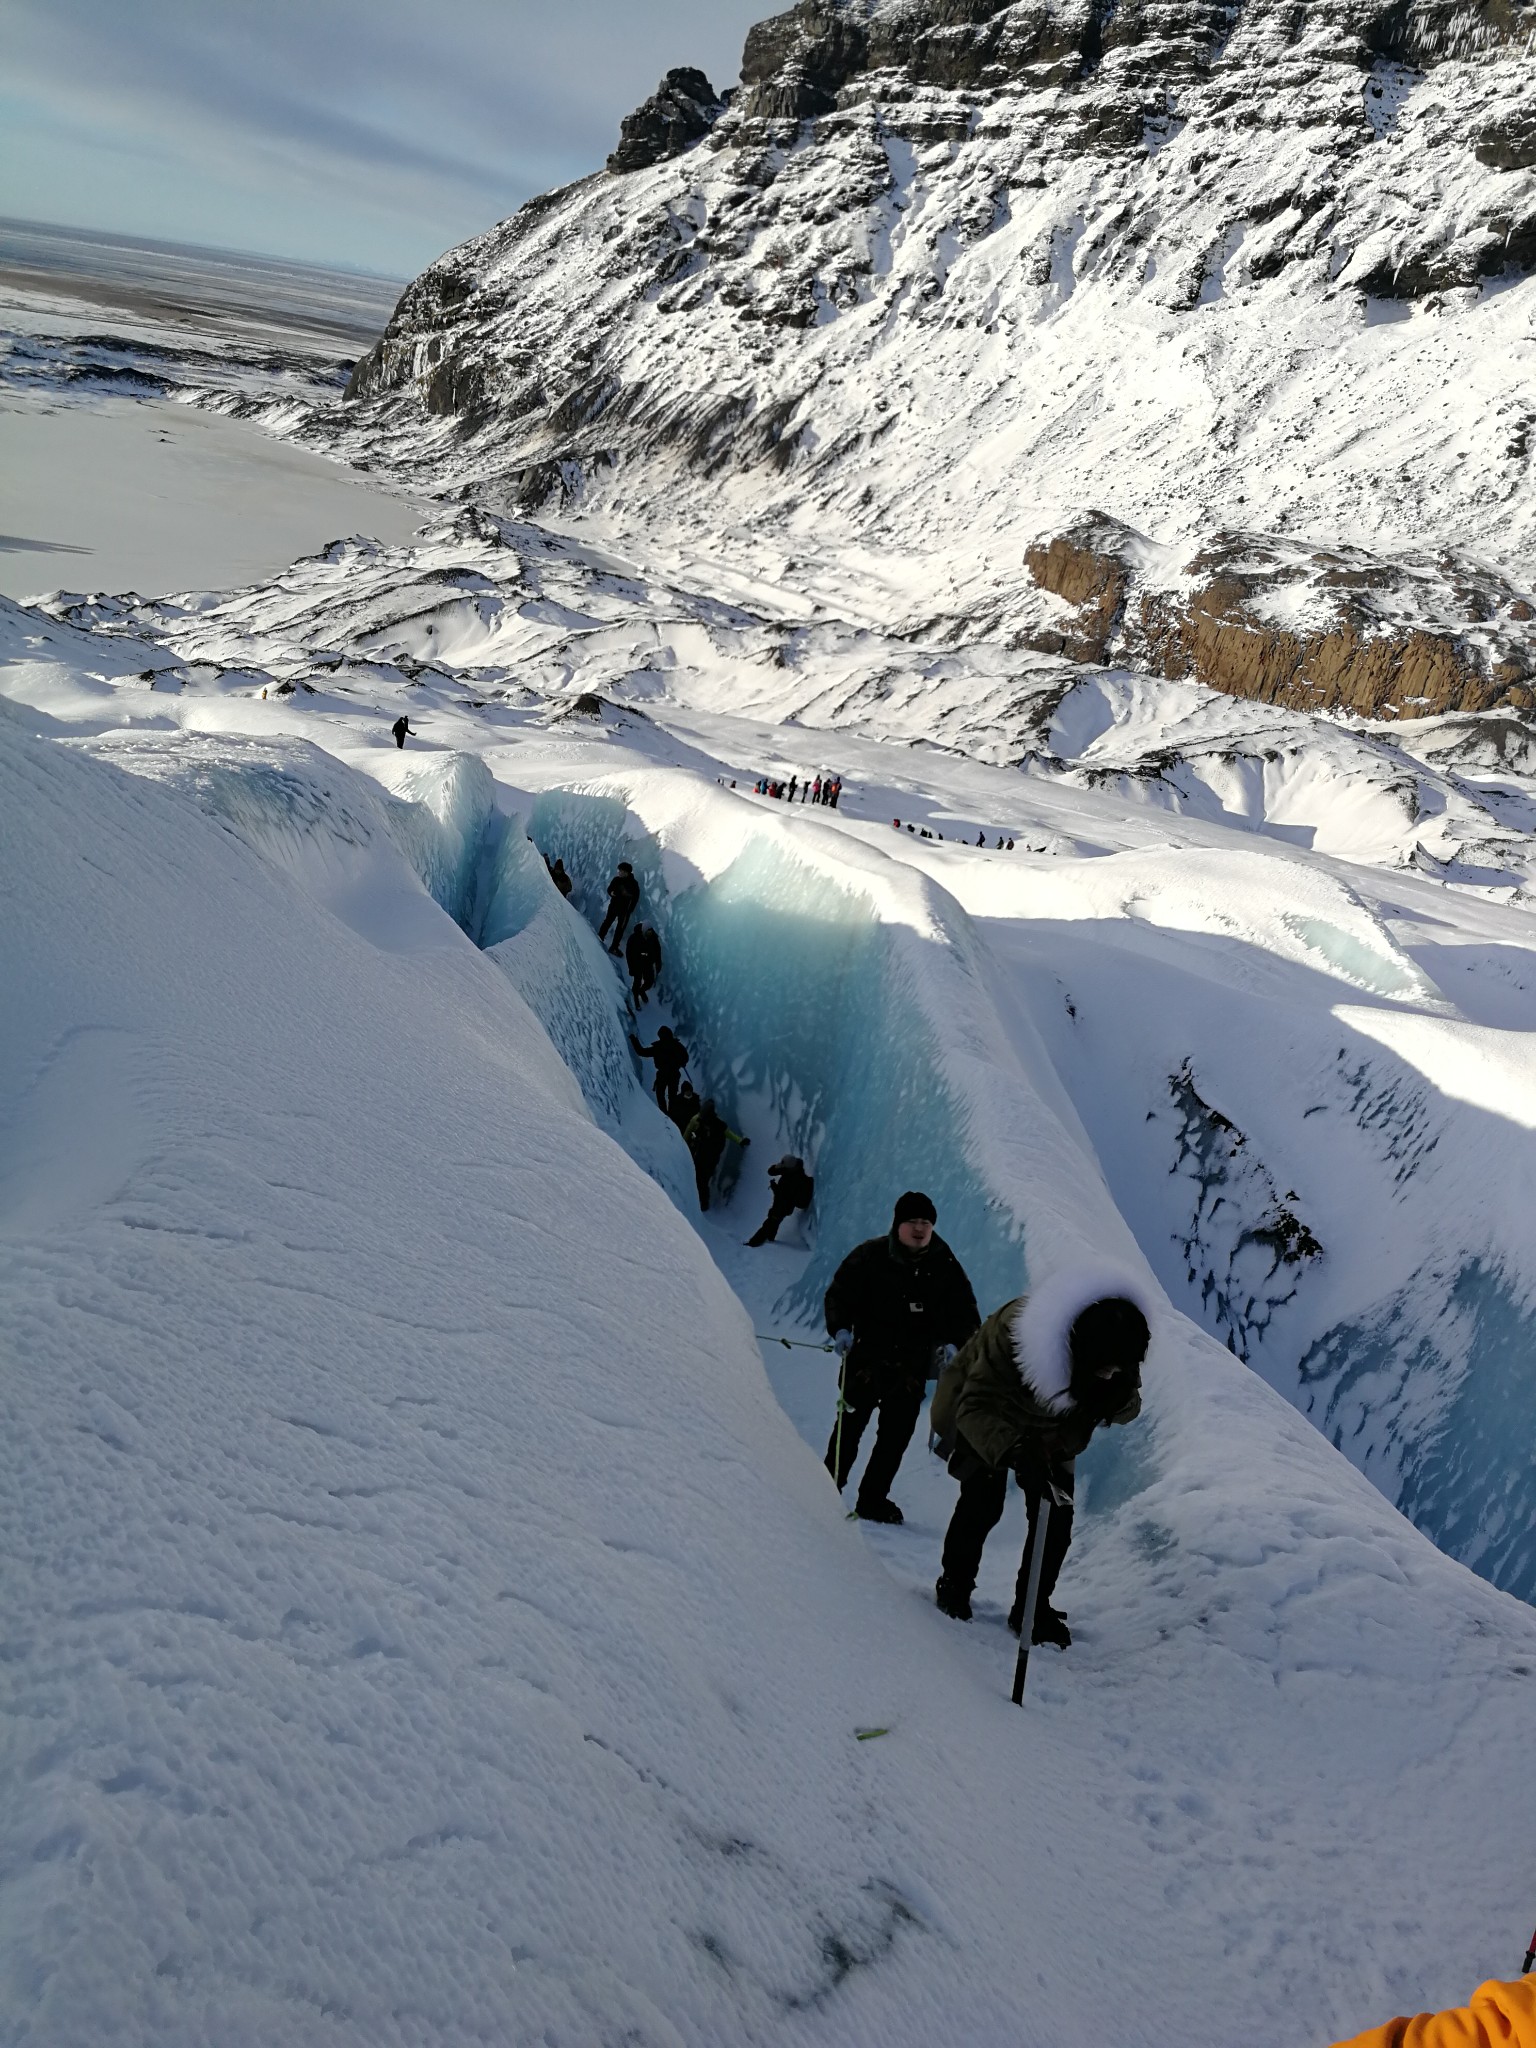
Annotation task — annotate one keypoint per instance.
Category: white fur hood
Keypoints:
(1045, 1317)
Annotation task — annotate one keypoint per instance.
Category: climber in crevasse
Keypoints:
(792, 1189)
(705, 1138)
(685, 1105)
(642, 956)
(671, 1056)
(897, 1307)
(623, 899)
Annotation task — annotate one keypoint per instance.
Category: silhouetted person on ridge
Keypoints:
(792, 1189)
(623, 900)
(400, 728)
(897, 1305)
(558, 876)
(705, 1138)
(1023, 1397)
(671, 1056)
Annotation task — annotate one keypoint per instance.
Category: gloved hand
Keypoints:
(945, 1354)
(842, 1343)
(1031, 1470)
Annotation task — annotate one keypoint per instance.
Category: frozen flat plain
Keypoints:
(137, 494)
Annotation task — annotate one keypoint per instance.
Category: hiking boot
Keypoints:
(952, 1601)
(1051, 1627)
(880, 1511)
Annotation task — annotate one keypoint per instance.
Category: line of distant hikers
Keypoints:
(826, 789)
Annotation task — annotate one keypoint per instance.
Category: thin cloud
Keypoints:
(394, 127)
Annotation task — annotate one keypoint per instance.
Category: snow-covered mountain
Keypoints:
(1196, 337)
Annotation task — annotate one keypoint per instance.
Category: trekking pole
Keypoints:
(789, 1343)
(1530, 1958)
(837, 1436)
(1032, 1596)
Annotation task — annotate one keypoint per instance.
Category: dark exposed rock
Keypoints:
(1508, 143)
(1422, 33)
(794, 65)
(682, 109)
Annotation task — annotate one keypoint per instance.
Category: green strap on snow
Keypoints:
(868, 1734)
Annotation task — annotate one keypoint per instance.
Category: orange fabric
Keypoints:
(1500, 2016)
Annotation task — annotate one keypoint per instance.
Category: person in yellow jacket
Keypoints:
(1500, 2016)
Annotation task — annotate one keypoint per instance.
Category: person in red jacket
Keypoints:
(1499, 2016)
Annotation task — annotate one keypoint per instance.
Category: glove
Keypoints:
(1031, 1470)
(946, 1354)
(842, 1343)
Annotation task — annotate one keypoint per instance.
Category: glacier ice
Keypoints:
(456, 794)
(558, 966)
(790, 989)
(1440, 1382)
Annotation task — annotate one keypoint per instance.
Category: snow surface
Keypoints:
(128, 494)
(430, 1625)
(428, 1618)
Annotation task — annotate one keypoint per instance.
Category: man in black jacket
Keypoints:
(896, 1305)
(623, 901)
(671, 1056)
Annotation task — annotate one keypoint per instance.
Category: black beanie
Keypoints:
(912, 1205)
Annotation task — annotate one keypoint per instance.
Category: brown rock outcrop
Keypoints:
(1368, 653)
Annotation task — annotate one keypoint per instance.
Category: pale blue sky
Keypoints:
(374, 133)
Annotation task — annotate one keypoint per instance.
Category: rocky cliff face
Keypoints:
(1251, 280)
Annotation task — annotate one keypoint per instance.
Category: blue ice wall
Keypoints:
(1463, 1473)
(555, 962)
(440, 822)
(790, 990)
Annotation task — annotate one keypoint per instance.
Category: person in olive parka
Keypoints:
(1023, 1397)
(896, 1306)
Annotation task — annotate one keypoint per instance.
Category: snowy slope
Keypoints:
(1231, 303)
(1404, 1329)
(433, 1622)
(432, 1628)
(517, 615)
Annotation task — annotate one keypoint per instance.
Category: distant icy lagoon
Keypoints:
(102, 491)
(154, 496)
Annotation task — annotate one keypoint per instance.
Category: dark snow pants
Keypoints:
(780, 1212)
(983, 1496)
(668, 1081)
(900, 1402)
(623, 912)
(704, 1164)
